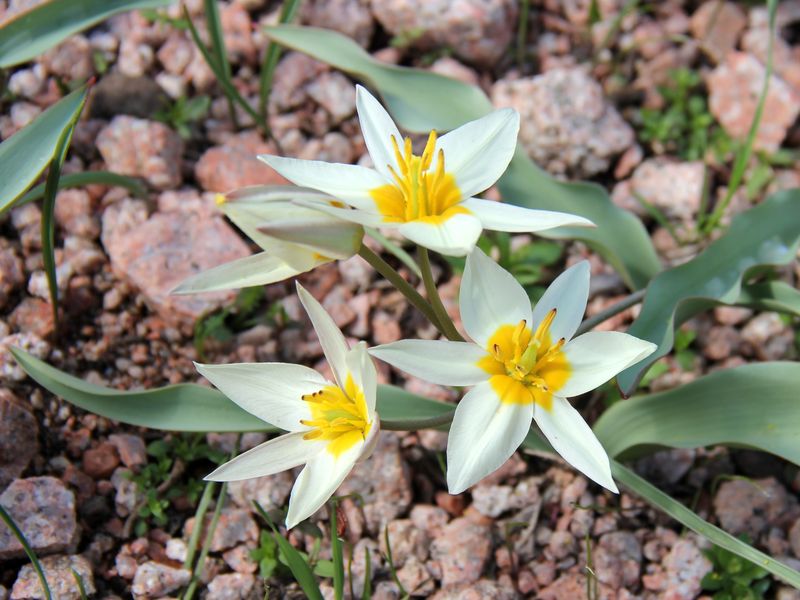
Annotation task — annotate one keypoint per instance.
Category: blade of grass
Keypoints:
(28, 550)
(744, 153)
(227, 86)
(199, 516)
(79, 581)
(299, 567)
(522, 32)
(77, 180)
(390, 562)
(215, 33)
(48, 233)
(201, 559)
(366, 594)
(395, 250)
(289, 9)
(336, 553)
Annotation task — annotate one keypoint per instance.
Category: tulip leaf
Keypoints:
(687, 517)
(39, 29)
(772, 295)
(25, 154)
(193, 407)
(754, 406)
(764, 235)
(78, 180)
(421, 100)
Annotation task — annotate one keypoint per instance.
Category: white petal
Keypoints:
(361, 367)
(366, 218)
(378, 129)
(317, 482)
(490, 297)
(574, 440)
(270, 391)
(478, 152)
(484, 434)
(597, 356)
(319, 232)
(282, 453)
(257, 269)
(454, 237)
(499, 216)
(442, 362)
(568, 295)
(332, 340)
(350, 183)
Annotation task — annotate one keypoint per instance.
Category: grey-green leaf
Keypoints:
(765, 235)
(25, 154)
(36, 31)
(421, 101)
(192, 407)
(755, 405)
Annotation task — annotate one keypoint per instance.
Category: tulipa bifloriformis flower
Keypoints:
(524, 365)
(428, 198)
(295, 238)
(331, 425)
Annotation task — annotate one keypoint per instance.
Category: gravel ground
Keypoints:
(78, 482)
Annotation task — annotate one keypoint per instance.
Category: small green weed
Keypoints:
(183, 113)
(159, 16)
(684, 126)
(733, 577)
(159, 480)
(527, 263)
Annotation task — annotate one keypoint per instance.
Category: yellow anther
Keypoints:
(220, 199)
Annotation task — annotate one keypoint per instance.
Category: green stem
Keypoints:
(212, 526)
(199, 517)
(612, 310)
(435, 300)
(405, 288)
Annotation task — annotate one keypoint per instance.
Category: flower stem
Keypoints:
(612, 310)
(405, 288)
(448, 328)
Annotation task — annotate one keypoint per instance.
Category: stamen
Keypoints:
(544, 326)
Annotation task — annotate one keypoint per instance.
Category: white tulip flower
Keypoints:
(427, 198)
(524, 365)
(331, 425)
(295, 238)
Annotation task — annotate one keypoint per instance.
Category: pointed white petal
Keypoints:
(568, 295)
(574, 440)
(366, 218)
(484, 434)
(490, 297)
(442, 362)
(280, 195)
(455, 236)
(333, 343)
(597, 356)
(378, 129)
(317, 482)
(257, 269)
(270, 391)
(499, 216)
(478, 152)
(319, 232)
(350, 183)
(282, 453)
(361, 367)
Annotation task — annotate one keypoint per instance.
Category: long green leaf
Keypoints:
(772, 295)
(337, 557)
(77, 180)
(25, 154)
(755, 406)
(37, 566)
(41, 28)
(765, 235)
(421, 100)
(682, 514)
(297, 565)
(49, 207)
(182, 407)
(191, 407)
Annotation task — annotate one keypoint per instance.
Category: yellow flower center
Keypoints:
(338, 416)
(418, 192)
(524, 366)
